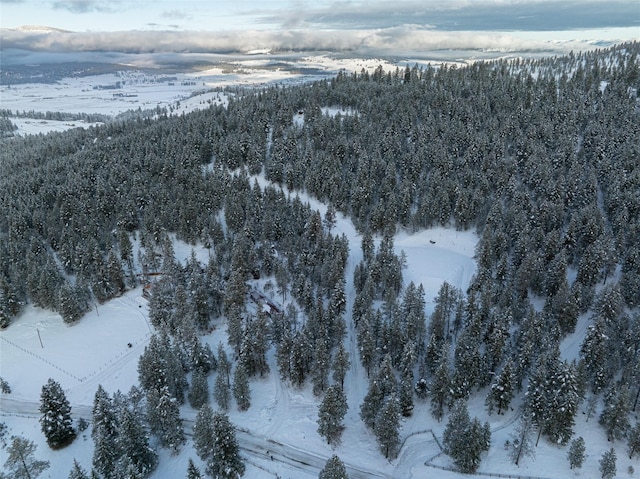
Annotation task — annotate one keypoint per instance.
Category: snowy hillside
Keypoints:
(451, 251)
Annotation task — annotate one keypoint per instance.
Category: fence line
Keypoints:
(42, 359)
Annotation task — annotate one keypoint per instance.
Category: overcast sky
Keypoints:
(237, 25)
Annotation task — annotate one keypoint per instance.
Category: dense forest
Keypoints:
(541, 157)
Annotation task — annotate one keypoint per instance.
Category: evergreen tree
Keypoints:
(371, 404)
(221, 392)
(608, 464)
(203, 433)
(536, 400)
(330, 218)
(439, 387)
(331, 413)
(133, 445)
(321, 366)
(464, 439)
(454, 436)
(104, 434)
(201, 357)
(163, 413)
(615, 415)
(199, 392)
(235, 330)
(224, 366)
(406, 393)
(594, 351)
(633, 442)
(333, 469)
(576, 454)
(501, 391)
(340, 365)
(387, 427)
(4, 386)
(77, 472)
(215, 442)
(192, 471)
(72, 304)
(160, 366)
(562, 401)
(20, 462)
(241, 388)
(56, 419)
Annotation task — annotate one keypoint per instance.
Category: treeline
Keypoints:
(56, 115)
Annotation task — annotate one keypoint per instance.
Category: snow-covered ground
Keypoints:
(278, 433)
(281, 422)
(114, 93)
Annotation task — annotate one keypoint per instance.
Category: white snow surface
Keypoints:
(278, 434)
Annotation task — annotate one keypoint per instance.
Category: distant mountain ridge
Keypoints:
(38, 28)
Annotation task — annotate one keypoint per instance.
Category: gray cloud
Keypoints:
(389, 28)
(454, 15)
(389, 40)
(176, 14)
(84, 6)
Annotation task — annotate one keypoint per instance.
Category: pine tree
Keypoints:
(192, 471)
(71, 305)
(340, 365)
(440, 385)
(576, 453)
(161, 366)
(501, 391)
(201, 357)
(615, 415)
(536, 400)
(406, 393)
(56, 419)
(4, 386)
(221, 392)
(104, 434)
(203, 434)
(562, 401)
(330, 218)
(224, 366)
(215, 441)
(321, 365)
(371, 404)
(20, 463)
(454, 435)
(633, 442)
(465, 439)
(163, 413)
(133, 444)
(235, 330)
(241, 388)
(333, 469)
(331, 413)
(77, 472)
(199, 392)
(387, 427)
(608, 464)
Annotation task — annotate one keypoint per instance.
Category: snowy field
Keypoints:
(114, 93)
